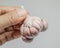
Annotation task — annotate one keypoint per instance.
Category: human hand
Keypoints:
(9, 18)
(16, 22)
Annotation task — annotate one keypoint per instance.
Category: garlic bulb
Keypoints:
(31, 27)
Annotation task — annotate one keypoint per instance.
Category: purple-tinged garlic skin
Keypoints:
(31, 27)
(45, 25)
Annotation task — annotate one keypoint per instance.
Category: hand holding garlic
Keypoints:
(16, 22)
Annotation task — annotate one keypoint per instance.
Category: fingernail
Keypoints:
(22, 12)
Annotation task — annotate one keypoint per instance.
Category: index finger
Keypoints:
(5, 9)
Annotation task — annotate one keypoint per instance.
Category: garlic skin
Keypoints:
(31, 27)
(45, 25)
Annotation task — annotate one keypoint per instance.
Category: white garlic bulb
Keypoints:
(31, 27)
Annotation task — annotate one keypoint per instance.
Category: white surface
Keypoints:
(48, 9)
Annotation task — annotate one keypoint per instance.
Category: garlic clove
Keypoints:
(45, 25)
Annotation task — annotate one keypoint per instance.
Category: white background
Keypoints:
(48, 9)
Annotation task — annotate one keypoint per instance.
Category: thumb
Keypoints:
(12, 18)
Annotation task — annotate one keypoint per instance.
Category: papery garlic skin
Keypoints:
(45, 25)
(31, 27)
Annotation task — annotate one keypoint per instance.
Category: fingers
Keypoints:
(12, 18)
(7, 36)
(5, 9)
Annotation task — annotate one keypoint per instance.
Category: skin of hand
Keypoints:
(10, 18)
